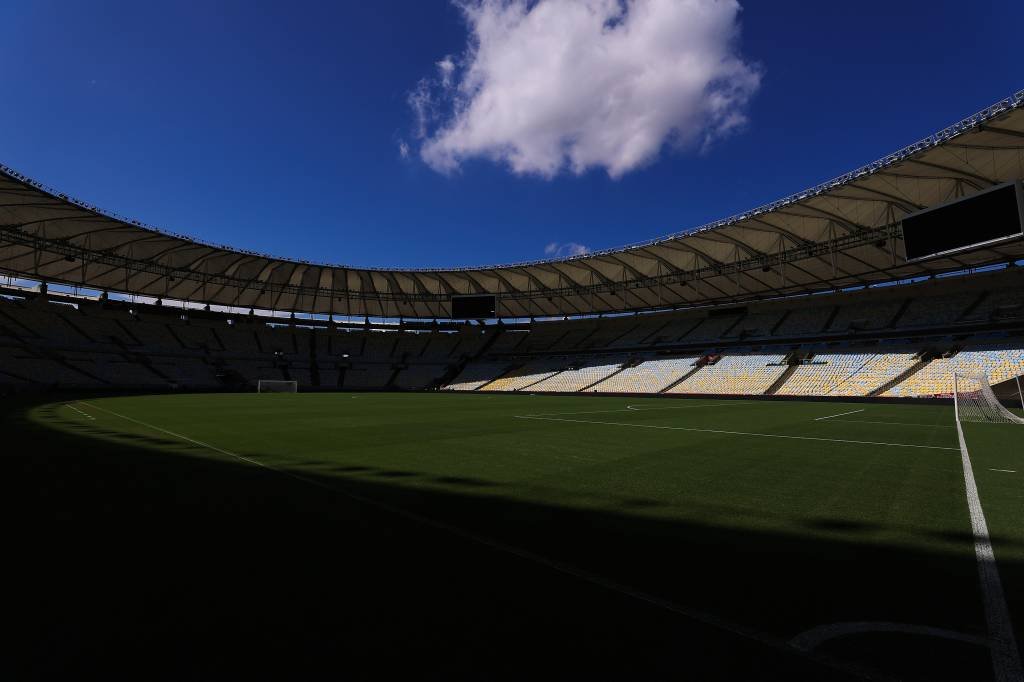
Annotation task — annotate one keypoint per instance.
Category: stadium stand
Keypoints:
(639, 331)
(417, 377)
(864, 316)
(648, 376)
(879, 370)
(756, 324)
(86, 345)
(475, 375)
(734, 375)
(936, 379)
(577, 378)
(998, 305)
(735, 306)
(527, 375)
(936, 310)
(823, 374)
(713, 328)
(510, 341)
(801, 322)
(63, 341)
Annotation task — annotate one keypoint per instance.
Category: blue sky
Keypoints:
(277, 127)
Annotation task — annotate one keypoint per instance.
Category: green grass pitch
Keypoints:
(446, 536)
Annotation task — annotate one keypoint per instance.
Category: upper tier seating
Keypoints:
(755, 324)
(865, 316)
(931, 310)
(804, 321)
(998, 305)
(608, 330)
(643, 328)
(509, 341)
(368, 376)
(713, 328)
(418, 377)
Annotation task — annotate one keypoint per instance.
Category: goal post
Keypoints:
(974, 401)
(277, 386)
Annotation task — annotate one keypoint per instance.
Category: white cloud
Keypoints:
(446, 69)
(423, 100)
(403, 149)
(557, 250)
(552, 85)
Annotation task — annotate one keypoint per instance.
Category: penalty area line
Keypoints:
(642, 408)
(84, 414)
(738, 433)
(841, 414)
(695, 615)
(866, 421)
(631, 408)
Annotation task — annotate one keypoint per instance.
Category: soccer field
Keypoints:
(440, 535)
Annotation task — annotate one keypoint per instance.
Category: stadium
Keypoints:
(828, 332)
(781, 445)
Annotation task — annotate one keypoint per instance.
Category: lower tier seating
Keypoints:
(649, 376)
(879, 370)
(734, 375)
(823, 374)
(936, 378)
(577, 378)
(527, 375)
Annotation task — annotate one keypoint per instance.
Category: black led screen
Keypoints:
(989, 216)
(472, 307)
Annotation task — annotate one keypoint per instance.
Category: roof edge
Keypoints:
(1010, 103)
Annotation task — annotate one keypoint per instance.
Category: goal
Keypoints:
(276, 386)
(975, 401)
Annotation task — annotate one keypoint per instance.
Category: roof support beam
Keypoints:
(957, 172)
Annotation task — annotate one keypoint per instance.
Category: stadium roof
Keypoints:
(842, 233)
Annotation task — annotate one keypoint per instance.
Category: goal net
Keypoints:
(276, 386)
(975, 401)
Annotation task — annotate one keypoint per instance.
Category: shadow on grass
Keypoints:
(131, 559)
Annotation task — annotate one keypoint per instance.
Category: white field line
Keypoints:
(810, 639)
(176, 435)
(641, 408)
(1005, 471)
(737, 433)
(865, 421)
(84, 414)
(631, 408)
(708, 619)
(841, 414)
(1002, 642)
